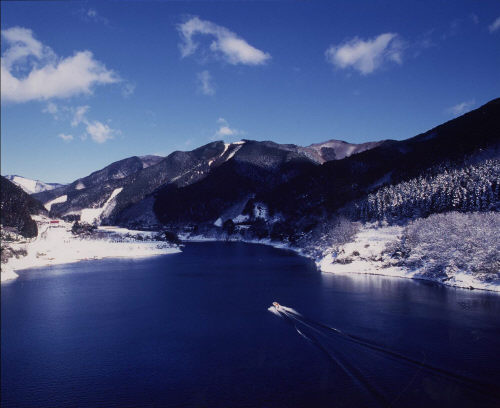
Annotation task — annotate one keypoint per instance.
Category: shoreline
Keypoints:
(95, 249)
(337, 269)
(57, 246)
(324, 265)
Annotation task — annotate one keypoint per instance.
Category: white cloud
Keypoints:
(461, 108)
(366, 56)
(51, 109)
(31, 71)
(91, 15)
(225, 44)
(22, 44)
(205, 83)
(494, 26)
(224, 131)
(99, 132)
(79, 115)
(65, 137)
(453, 29)
(128, 89)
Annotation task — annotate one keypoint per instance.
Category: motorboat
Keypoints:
(276, 305)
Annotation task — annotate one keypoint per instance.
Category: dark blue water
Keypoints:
(193, 330)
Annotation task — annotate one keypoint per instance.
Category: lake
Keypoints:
(193, 330)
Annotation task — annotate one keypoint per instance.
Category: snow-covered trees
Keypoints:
(442, 245)
(472, 188)
(327, 235)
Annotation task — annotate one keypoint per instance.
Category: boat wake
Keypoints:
(351, 353)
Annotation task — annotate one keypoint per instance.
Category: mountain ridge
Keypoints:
(299, 184)
(142, 175)
(31, 186)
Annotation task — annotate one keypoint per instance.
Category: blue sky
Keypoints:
(88, 83)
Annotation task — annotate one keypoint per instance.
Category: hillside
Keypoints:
(16, 208)
(123, 189)
(32, 186)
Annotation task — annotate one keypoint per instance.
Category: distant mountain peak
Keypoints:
(31, 186)
(334, 149)
(150, 160)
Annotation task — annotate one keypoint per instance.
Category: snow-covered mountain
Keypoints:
(139, 177)
(17, 207)
(338, 149)
(293, 188)
(313, 197)
(32, 186)
(302, 193)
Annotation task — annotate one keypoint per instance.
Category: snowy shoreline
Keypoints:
(375, 238)
(365, 255)
(56, 245)
(463, 281)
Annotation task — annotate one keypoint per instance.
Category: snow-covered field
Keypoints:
(56, 244)
(365, 255)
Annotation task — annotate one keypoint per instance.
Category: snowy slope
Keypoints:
(91, 215)
(61, 199)
(32, 186)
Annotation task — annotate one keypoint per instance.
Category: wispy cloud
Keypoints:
(453, 29)
(32, 71)
(494, 26)
(225, 131)
(461, 108)
(128, 89)
(423, 42)
(65, 137)
(205, 83)
(225, 44)
(79, 115)
(99, 132)
(51, 109)
(366, 56)
(92, 16)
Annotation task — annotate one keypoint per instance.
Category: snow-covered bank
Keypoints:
(367, 254)
(8, 273)
(56, 244)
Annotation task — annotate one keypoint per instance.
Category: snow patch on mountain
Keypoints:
(227, 146)
(61, 199)
(92, 215)
(32, 186)
(238, 147)
(27, 185)
(260, 210)
(241, 218)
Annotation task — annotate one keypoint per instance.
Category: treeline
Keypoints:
(472, 188)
